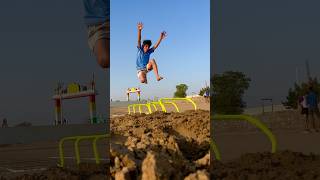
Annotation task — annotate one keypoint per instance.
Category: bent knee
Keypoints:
(143, 80)
(141, 77)
(102, 53)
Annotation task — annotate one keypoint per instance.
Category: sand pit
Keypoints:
(161, 146)
(265, 166)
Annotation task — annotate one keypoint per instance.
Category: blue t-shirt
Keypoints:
(96, 11)
(143, 58)
(312, 100)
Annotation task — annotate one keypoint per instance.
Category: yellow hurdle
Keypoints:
(161, 102)
(252, 121)
(174, 104)
(215, 149)
(154, 103)
(77, 139)
(139, 108)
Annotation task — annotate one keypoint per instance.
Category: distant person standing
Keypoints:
(206, 95)
(4, 123)
(65, 121)
(128, 94)
(305, 110)
(312, 103)
(97, 19)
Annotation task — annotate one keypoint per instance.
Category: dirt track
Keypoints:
(39, 160)
(161, 145)
(281, 165)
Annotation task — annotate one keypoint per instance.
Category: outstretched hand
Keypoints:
(163, 34)
(140, 25)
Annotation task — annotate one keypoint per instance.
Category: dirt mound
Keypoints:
(281, 165)
(161, 145)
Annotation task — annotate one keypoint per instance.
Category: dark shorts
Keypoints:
(314, 110)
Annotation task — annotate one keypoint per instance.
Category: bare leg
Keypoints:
(142, 77)
(318, 119)
(307, 122)
(152, 65)
(312, 119)
(102, 52)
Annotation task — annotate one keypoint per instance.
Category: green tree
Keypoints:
(181, 91)
(228, 89)
(203, 90)
(299, 90)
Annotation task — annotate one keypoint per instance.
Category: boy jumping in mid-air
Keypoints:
(144, 64)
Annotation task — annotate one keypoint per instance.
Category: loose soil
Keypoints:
(161, 146)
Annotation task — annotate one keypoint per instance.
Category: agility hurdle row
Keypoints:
(133, 107)
(252, 121)
(161, 103)
(77, 140)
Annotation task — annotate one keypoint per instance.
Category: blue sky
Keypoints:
(268, 41)
(183, 57)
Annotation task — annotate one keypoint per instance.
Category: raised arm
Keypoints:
(140, 27)
(162, 36)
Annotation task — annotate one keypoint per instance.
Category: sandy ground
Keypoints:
(246, 153)
(176, 146)
(22, 158)
(27, 135)
(40, 159)
(265, 166)
(36, 154)
(161, 145)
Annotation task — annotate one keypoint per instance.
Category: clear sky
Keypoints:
(183, 57)
(43, 42)
(268, 40)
